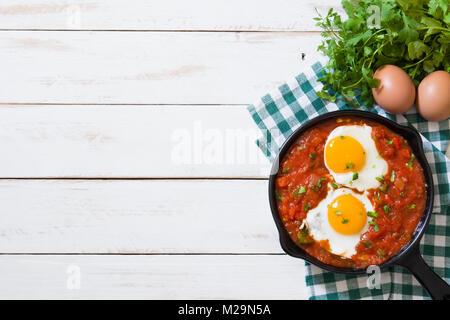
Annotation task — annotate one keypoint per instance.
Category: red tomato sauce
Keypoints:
(399, 201)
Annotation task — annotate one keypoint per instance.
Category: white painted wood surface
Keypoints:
(129, 142)
(218, 15)
(152, 277)
(136, 217)
(149, 67)
(100, 90)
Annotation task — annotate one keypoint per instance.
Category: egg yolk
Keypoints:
(344, 154)
(347, 215)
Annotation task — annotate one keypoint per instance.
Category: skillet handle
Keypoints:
(434, 284)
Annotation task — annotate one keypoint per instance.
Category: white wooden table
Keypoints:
(96, 100)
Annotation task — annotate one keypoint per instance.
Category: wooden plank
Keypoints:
(123, 216)
(149, 67)
(129, 142)
(285, 15)
(152, 277)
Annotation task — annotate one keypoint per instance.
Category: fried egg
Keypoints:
(340, 218)
(352, 157)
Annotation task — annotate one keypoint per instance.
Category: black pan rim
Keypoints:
(415, 142)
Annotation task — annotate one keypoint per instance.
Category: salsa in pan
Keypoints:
(350, 192)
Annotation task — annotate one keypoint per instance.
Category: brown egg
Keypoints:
(433, 96)
(396, 92)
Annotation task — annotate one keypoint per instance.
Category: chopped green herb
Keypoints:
(367, 244)
(277, 194)
(344, 221)
(334, 185)
(355, 176)
(286, 170)
(349, 165)
(412, 207)
(303, 238)
(372, 214)
(402, 194)
(394, 234)
(312, 156)
(389, 142)
(375, 226)
(375, 138)
(392, 176)
(380, 178)
(301, 190)
(337, 212)
(381, 253)
(319, 184)
(306, 207)
(386, 208)
(301, 148)
(342, 137)
(384, 187)
(410, 163)
(374, 166)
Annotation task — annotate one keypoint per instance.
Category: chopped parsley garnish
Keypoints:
(386, 208)
(380, 178)
(367, 244)
(312, 156)
(402, 194)
(375, 138)
(337, 212)
(372, 214)
(355, 176)
(410, 163)
(303, 238)
(349, 165)
(392, 176)
(389, 142)
(344, 221)
(301, 190)
(306, 207)
(381, 253)
(412, 207)
(277, 194)
(375, 225)
(319, 184)
(301, 148)
(342, 137)
(334, 185)
(286, 170)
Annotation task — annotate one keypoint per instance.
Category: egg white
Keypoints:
(320, 228)
(374, 166)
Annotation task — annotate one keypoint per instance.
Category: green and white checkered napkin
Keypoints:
(282, 111)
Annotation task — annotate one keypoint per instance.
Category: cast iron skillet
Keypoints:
(409, 256)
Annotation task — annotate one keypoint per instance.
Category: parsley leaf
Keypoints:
(413, 35)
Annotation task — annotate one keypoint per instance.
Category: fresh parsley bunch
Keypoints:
(412, 34)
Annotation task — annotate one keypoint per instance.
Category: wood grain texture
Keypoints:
(153, 277)
(149, 67)
(226, 15)
(129, 142)
(175, 216)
